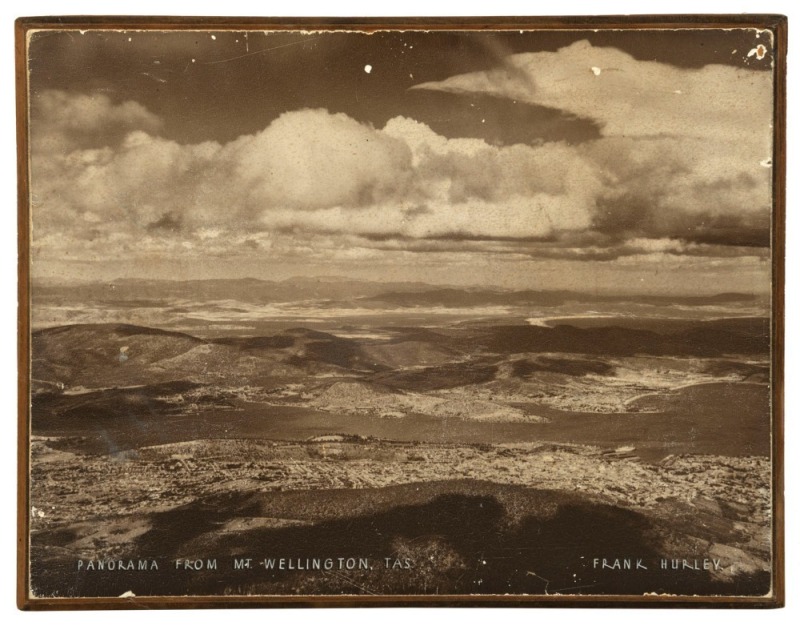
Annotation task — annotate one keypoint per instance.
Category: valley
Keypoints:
(159, 442)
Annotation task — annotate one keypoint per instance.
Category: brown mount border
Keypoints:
(778, 24)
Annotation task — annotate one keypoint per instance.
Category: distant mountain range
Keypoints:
(250, 290)
(142, 292)
(483, 297)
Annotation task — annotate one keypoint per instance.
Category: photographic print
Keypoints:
(467, 311)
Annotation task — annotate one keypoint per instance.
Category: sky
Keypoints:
(628, 161)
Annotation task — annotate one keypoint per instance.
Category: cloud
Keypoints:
(696, 190)
(304, 160)
(315, 172)
(681, 149)
(105, 181)
(630, 97)
(312, 159)
(62, 122)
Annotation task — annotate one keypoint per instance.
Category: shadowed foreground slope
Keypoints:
(460, 537)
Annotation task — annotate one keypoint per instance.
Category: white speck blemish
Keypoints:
(596, 70)
(194, 61)
(214, 37)
(765, 163)
(758, 52)
(130, 39)
(368, 68)
(678, 91)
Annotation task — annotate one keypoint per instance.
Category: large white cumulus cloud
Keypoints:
(314, 171)
(312, 159)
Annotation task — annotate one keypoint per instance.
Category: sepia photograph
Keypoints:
(414, 311)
